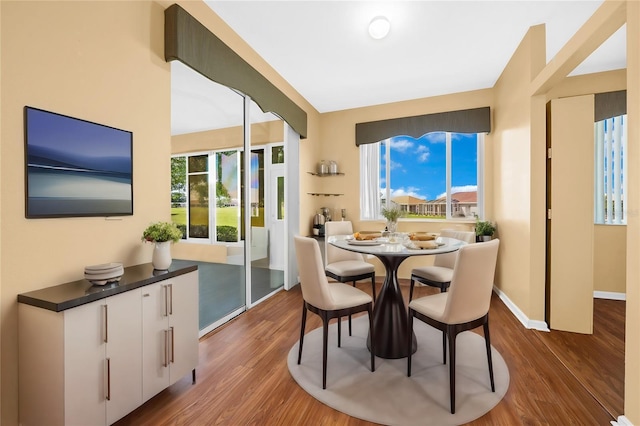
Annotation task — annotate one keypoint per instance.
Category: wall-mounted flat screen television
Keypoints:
(75, 167)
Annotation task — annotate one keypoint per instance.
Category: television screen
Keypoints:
(75, 167)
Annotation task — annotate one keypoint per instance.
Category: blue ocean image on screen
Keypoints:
(76, 167)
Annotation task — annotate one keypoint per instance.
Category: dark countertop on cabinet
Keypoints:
(69, 295)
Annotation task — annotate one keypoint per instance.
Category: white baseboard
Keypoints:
(528, 323)
(622, 421)
(609, 295)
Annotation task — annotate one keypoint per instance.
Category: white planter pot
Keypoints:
(161, 259)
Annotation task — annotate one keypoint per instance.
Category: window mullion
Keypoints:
(213, 205)
(448, 173)
(387, 173)
(617, 185)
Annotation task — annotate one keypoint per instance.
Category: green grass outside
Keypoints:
(227, 216)
(423, 216)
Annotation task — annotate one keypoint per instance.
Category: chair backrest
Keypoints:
(472, 282)
(447, 260)
(313, 281)
(334, 254)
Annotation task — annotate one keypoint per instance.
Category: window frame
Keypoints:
(448, 171)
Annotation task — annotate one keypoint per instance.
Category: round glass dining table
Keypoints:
(390, 322)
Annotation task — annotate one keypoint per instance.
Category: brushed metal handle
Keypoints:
(108, 379)
(105, 323)
(172, 346)
(166, 301)
(165, 362)
(170, 299)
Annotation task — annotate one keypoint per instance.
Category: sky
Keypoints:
(418, 165)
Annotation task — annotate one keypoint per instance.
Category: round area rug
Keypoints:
(387, 396)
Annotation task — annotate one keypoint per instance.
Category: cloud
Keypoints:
(435, 137)
(395, 165)
(401, 145)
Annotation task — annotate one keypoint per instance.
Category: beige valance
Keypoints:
(190, 42)
(476, 120)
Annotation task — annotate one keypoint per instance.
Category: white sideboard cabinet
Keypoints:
(89, 355)
(170, 331)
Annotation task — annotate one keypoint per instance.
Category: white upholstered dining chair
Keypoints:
(440, 273)
(326, 300)
(464, 307)
(344, 265)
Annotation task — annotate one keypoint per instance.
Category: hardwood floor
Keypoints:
(596, 360)
(242, 377)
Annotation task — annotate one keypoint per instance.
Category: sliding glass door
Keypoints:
(227, 184)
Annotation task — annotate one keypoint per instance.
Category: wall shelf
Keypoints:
(325, 174)
(323, 194)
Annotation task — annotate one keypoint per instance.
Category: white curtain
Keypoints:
(370, 181)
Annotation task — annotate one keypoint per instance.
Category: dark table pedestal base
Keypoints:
(391, 328)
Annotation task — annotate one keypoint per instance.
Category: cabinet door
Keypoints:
(124, 354)
(155, 329)
(84, 365)
(183, 323)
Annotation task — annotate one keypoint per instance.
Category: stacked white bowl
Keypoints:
(104, 273)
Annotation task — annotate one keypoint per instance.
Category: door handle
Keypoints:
(108, 379)
(105, 324)
(165, 362)
(172, 359)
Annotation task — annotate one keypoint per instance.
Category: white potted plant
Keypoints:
(162, 234)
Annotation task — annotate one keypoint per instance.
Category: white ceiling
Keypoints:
(323, 50)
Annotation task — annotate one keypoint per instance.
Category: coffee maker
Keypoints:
(319, 220)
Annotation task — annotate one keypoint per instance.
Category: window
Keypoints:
(435, 176)
(199, 178)
(192, 176)
(610, 170)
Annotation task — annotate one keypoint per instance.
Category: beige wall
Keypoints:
(632, 337)
(610, 258)
(106, 65)
(515, 148)
(104, 62)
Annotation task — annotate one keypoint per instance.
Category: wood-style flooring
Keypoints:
(242, 377)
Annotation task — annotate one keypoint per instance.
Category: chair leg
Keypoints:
(372, 333)
(452, 368)
(339, 331)
(373, 287)
(304, 321)
(325, 335)
(487, 340)
(409, 341)
(444, 347)
(444, 336)
(413, 283)
(353, 284)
